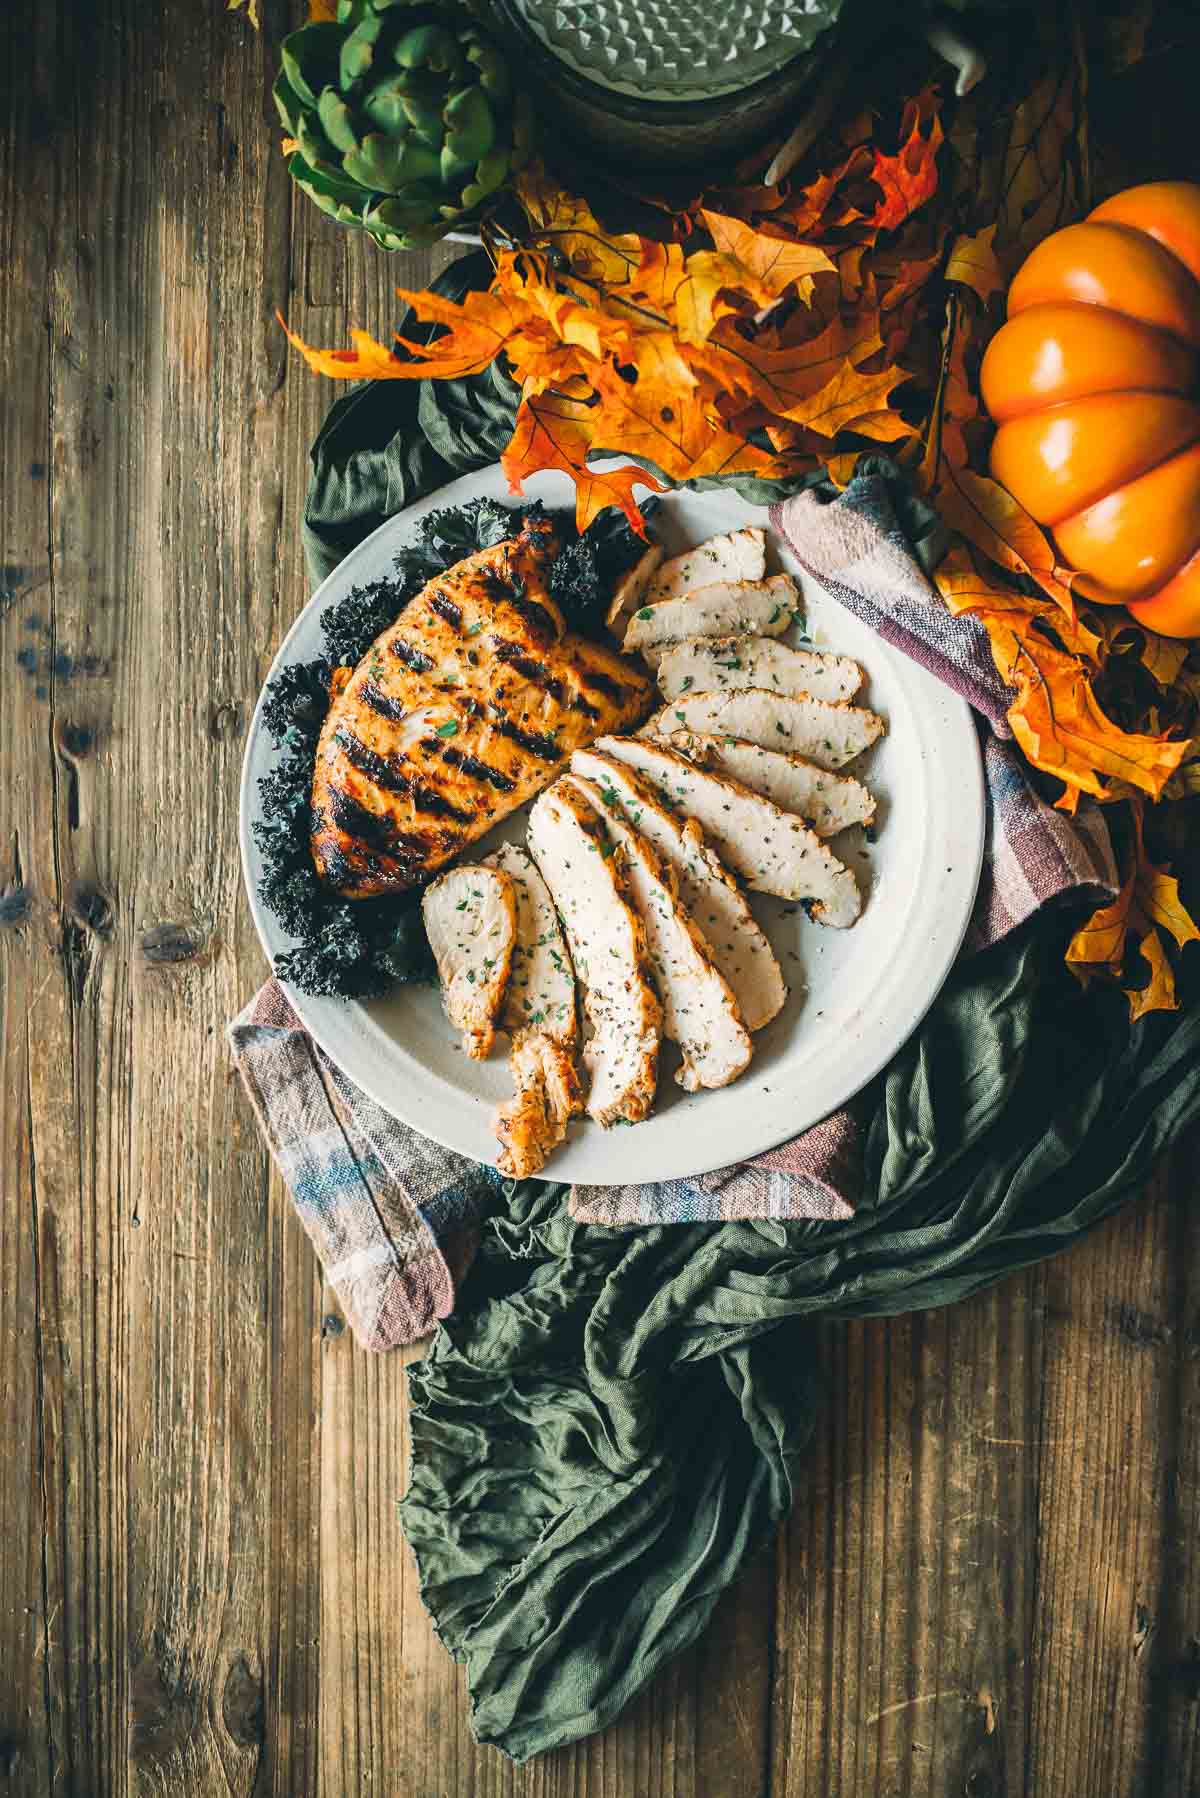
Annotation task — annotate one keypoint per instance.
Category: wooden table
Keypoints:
(991, 1584)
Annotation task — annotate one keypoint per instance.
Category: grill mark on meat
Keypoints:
(580, 704)
(535, 616)
(604, 683)
(544, 748)
(444, 606)
(513, 656)
(366, 827)
(389, 773)
(470, 764)
(379, 702)
(411, 656)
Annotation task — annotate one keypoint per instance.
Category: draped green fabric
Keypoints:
(611, 1421)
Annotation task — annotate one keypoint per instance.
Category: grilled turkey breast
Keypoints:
(830, 735)
(708, 891)
(464, 708)
(707, 664)
(548, 1095)
(723, 609)
(608, 946)
(699, 1010)
(471, 921)
(772, 851)
(734, 556)
(827, 802)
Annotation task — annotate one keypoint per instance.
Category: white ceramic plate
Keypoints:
(856, 994)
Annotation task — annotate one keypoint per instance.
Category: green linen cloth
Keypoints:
(612, 1420)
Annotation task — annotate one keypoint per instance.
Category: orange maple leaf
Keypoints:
(555, 431)
(909, 178)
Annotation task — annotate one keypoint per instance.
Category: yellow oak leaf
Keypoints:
(974, 263)
(775, 262)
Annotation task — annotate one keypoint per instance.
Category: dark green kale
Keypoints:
(358, 949)
(587, 568)
(352, 624)
(576, 584)
(297, 700)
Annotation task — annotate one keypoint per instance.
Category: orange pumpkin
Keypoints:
(1093, 384)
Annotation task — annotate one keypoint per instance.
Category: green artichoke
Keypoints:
(402, 118)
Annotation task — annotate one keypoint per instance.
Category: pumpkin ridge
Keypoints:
(1038, 477)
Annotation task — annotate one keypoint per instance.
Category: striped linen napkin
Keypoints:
(393, 1216)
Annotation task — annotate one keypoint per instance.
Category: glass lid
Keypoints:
(684, 50)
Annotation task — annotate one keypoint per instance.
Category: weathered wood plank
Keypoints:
(903, 1599)
(992, 1585)
(1115, 1643)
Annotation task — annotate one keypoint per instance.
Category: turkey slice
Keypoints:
(723, 609)
(712, 664)
(829, 802)
(735, 556)
(829, 735)
(608, 947)
(541, 985)
(772, 850)
(548, 1095)
(699, 1009)
(630, 590)
(738, 946)
(471, 921)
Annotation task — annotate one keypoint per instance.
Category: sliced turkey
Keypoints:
(829, 735)
(724, 609)
(713, 664)
(828, 802)
(772, 850)
(548, 1095)
(707, 891)
(630, 590)
(541, 985)
(471, 921)
(699, 1009)
(607, 940)
(735, 556)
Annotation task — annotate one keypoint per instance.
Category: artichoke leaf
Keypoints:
(390, 167)
(491, 69)
(430, 47)
(316, 148)
(288, 103)
(358, 51)
(310, 60)
(337, 121)
(393, 108)
(470, 125)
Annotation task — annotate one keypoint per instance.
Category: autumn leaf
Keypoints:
(909, 178)
(1159, 992)
(775, 262)
(553, 431)
(1147, 905)
(249, 6)
(368, 360)
(567, 222)
(974, 264)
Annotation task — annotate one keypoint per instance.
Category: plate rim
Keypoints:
(317, 1014)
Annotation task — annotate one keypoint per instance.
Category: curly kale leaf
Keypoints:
(296, 701)
(352, 624)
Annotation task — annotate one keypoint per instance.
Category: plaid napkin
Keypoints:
(393, 1216)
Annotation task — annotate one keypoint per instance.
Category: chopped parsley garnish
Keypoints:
(449, 729)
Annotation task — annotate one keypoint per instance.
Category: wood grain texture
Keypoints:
(990, 1585)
